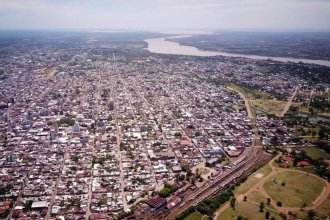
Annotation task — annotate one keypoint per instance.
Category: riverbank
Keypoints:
(163, 46)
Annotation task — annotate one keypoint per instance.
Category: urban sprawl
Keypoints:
(85, 134)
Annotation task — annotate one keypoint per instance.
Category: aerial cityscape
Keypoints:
(179, 119)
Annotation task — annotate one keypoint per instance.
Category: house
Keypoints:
(303, 164)
(176, 169)
(156, 202)
(173, 202)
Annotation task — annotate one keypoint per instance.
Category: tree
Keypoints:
(261, 207)
(233, 202)
(193, 181)
(321, 133)
(185, 168)
(245, 198)
(311, 214)
(304, 205)
(279, 204)
(283, 183)
(267, 215)
(268, 201)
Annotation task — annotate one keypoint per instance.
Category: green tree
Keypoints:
(311, 214)
(233, 202)
(267, 215)
(261, 207)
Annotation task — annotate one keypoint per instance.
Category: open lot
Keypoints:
(269, 106)
(300, 189)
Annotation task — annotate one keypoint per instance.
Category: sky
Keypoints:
(163, 15)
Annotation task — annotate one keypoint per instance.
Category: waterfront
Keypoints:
(163, 46)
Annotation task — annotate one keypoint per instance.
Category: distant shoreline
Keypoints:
(163, 46)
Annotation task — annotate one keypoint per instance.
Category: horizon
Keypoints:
(148, 15)
(168, 31)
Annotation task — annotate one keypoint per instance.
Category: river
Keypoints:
(163, 46)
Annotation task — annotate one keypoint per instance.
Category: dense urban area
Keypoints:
(92, 128)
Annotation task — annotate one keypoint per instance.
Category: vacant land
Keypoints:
(251, 93)
(49, 72)
(269, 106)
(299, 190)
(196, 216)
(203, 171)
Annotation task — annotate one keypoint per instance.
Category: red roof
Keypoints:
(173, 202)
(184, 142)
(303, 164)
(288, 158)
(156, 202)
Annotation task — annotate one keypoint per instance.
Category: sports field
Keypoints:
(300, 189)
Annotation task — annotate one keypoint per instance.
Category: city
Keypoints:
(110, 125)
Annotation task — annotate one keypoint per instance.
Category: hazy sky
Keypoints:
(165, 14)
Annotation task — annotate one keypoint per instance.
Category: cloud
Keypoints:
(165, 14)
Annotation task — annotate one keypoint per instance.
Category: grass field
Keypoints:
(269, 106)
(323, 212)
(306, 169)
(252, 180)
(316, 153)
(196, 216)
(299, 188)
(252, 94)
(248, 210)
(257, 197)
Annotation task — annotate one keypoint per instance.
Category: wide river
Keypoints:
(163, 46)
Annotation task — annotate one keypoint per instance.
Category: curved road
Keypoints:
(259, 188)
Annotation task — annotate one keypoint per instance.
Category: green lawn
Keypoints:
(316, 153)
(299, 188)
(247, 210)
(196, 216)
(323, 212)
(306, 169)
(257, 197)
(252, 180)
